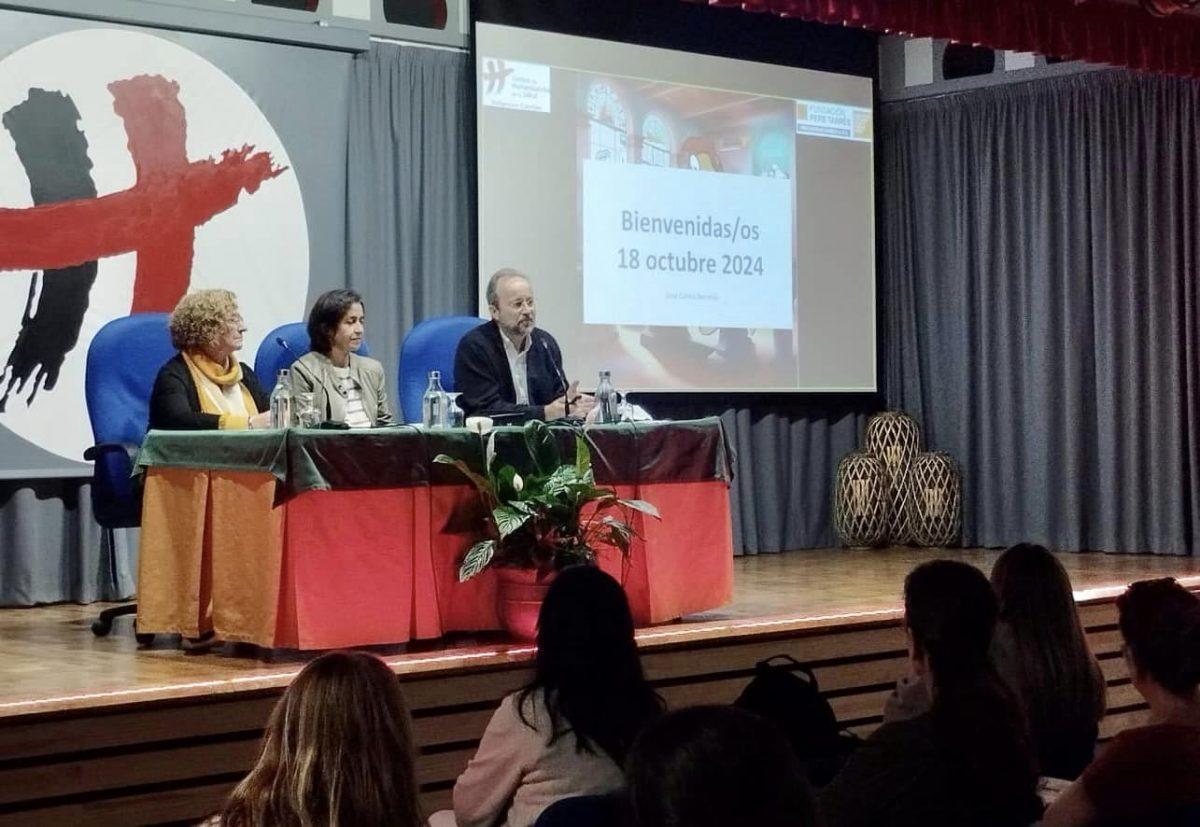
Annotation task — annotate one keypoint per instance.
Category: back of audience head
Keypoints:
(950, 613)
(1058, 677)
(711, 766)
(587, 664)
(1160, 623)
(337, 750)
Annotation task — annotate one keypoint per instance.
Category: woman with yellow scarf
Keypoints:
(205, 387)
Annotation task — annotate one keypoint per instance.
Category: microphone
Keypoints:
(562, 377)
(283, 343)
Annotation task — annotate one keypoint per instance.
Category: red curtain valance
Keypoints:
(1098, 31)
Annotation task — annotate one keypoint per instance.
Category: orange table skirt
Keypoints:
(332, 569)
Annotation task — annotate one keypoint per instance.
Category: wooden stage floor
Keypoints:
(50, 661)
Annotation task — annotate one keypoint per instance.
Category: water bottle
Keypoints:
(606, 400)
(281, 400)
(434, 403)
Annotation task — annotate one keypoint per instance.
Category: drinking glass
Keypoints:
(306, 415)
(455, 416)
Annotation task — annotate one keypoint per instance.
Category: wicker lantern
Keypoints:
(934, 500)
(860, 500)
(896, 438)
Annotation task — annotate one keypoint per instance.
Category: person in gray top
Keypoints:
(346, 387)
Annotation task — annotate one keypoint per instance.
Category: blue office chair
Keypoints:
(429, 346)
(122, 362)
(272, 356)
(582, 811)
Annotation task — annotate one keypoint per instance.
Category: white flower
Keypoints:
(518, 483)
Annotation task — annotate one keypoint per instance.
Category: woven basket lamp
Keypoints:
(896, 438)
(860, 501)
(934, 500)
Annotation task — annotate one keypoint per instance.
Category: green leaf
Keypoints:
(642, 506)
(562, 481)
(505, 476)
(476, 559)
(508, 519)
(619, 526)
(542, 448)
(481, 483)
(583, 459)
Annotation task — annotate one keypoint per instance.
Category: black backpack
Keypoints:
(785, 692)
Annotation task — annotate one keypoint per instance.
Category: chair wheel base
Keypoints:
(144, 638)
(101, 627)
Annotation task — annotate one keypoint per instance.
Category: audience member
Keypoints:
(204, 387)
(1149, 774)
(566, 733)
(713, 766)
(338, 751)
(1041, 651)
(968, 759)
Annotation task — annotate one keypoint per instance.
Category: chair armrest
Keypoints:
(97, 450)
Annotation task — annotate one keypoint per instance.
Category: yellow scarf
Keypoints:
(205, 370)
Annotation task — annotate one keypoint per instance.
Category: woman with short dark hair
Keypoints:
(1149, 774)
(346, 387)
(715, 766)
(1041, 650)
(337, 750)
(967, 761)
(567, 733)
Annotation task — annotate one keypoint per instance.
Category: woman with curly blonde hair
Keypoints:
(337, 751)
(204, 387)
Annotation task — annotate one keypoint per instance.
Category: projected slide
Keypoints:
(687, 222)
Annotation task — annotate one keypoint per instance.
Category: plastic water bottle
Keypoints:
(606, 399)
(281, 400)
(434, 403)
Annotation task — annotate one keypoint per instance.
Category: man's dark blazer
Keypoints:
(482, 375)
(175, 402)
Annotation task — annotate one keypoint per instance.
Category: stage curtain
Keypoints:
(410, 191)
(1099, 31)
(787, 449)
(1039, 283)
(51, 548)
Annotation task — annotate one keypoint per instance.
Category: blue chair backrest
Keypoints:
(122, 362)
(429, 346)
(271, 357)
(582, 811)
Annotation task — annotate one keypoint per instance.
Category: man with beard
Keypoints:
(507, 368)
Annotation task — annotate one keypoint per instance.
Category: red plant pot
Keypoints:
(519, 596)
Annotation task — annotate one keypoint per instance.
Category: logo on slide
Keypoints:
(128, 174)
(509, 84)
(494, 75)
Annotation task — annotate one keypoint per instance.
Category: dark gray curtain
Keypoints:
(410, 191)
(1038, 272)
(51, 548)
(787, 450)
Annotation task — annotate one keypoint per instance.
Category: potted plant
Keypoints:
(538, 523)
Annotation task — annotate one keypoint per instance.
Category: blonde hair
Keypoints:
(337, 750)
(200, 318)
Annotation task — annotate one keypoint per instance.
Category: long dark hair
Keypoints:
(325, 316)
(950, 611)
(337, 750)
(712, 766)
(1056, 675)
(1160, 622)
(587, 665)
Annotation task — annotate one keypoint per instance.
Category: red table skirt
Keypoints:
(331, 569)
